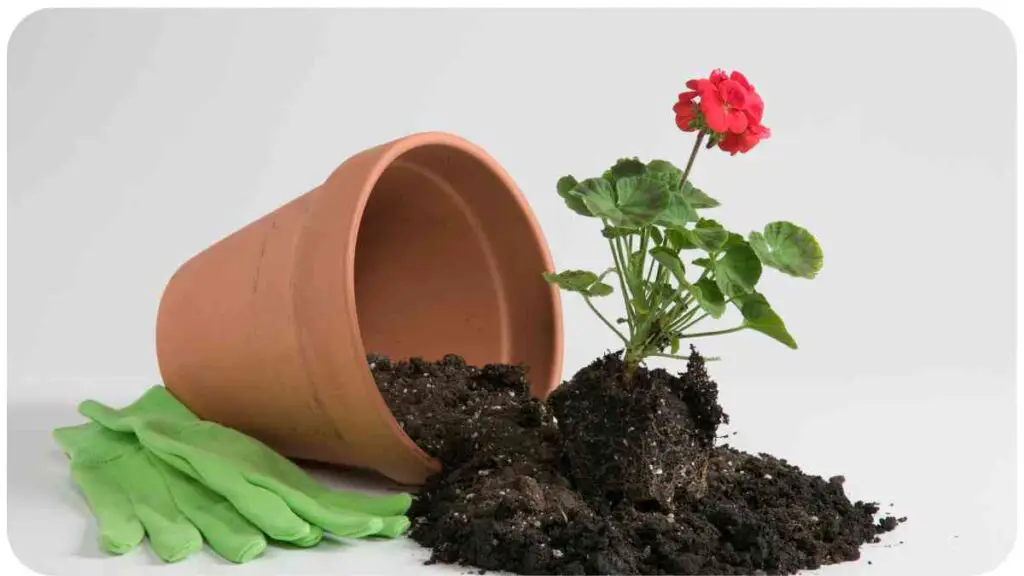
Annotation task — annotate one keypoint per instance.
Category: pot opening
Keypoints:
(448, 261)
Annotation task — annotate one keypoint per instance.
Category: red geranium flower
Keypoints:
(729, 107)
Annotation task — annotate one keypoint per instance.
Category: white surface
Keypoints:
(138, 138)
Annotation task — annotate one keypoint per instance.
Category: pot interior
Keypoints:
(448, 261)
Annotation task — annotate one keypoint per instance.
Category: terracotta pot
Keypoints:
(419, 247)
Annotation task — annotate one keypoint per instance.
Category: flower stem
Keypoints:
(693, 156)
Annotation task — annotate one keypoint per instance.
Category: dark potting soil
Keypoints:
(626, 481)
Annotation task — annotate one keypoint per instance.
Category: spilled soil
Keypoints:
(612, 475)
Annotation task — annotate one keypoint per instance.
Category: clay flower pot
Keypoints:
(419, 247)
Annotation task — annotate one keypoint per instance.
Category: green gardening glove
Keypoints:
(268, 489)
(133, 494)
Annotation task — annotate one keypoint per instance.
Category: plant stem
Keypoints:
(625, 256)
(622, 282)
(715, 332)
(605, 320)
(693, 156)
(690, 324)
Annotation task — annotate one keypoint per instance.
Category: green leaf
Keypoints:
(680, 239)
(675, 343)
(703, 262)
(599, 197)
(710, 235)
(665, 167)
(671, 262)
(734, 240)
(697, 198)
(738, 271)
(789, 248)
(566, 189)
(709, 296)
(656, 236)
(572, 280)
(599, 289)
(678, 213)
(618, 231)
(641, 199)
(625, 168)
(758, 315)
(666, 172)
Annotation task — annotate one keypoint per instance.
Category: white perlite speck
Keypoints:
(556, 553)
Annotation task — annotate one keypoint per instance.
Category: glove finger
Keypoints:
(389, 505)
(394, 526)
(336, 520)
(104, 416)
(316, 534)
(120, 530)
(263, 508)
(170, 533)
(226, 531)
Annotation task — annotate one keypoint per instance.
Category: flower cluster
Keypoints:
(727, 107)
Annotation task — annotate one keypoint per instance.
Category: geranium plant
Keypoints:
(673, 266)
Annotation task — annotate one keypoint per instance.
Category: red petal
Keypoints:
(685, 113)
(706, 87)
(730, 143)
(692, 84)
(736, 76)
(687, 96)
(755, 106)
(714, 114)
(762, 132)
(680, 106)
(717, 75)
(737, 120)
(733, 94)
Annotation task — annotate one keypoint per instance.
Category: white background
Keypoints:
(138, 138)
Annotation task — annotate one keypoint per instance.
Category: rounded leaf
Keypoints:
(625, 168)
(599, 197)
(680, 239)
(671, 262)
(678, 212)
(789, 248)
(738, 271)
(599, 289)
(566, 189)
(697, 198)
(572, 280)
(710, 235)
(709, 296)
(641, 199)
(666, 172)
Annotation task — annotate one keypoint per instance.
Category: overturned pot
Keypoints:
(422, 246)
